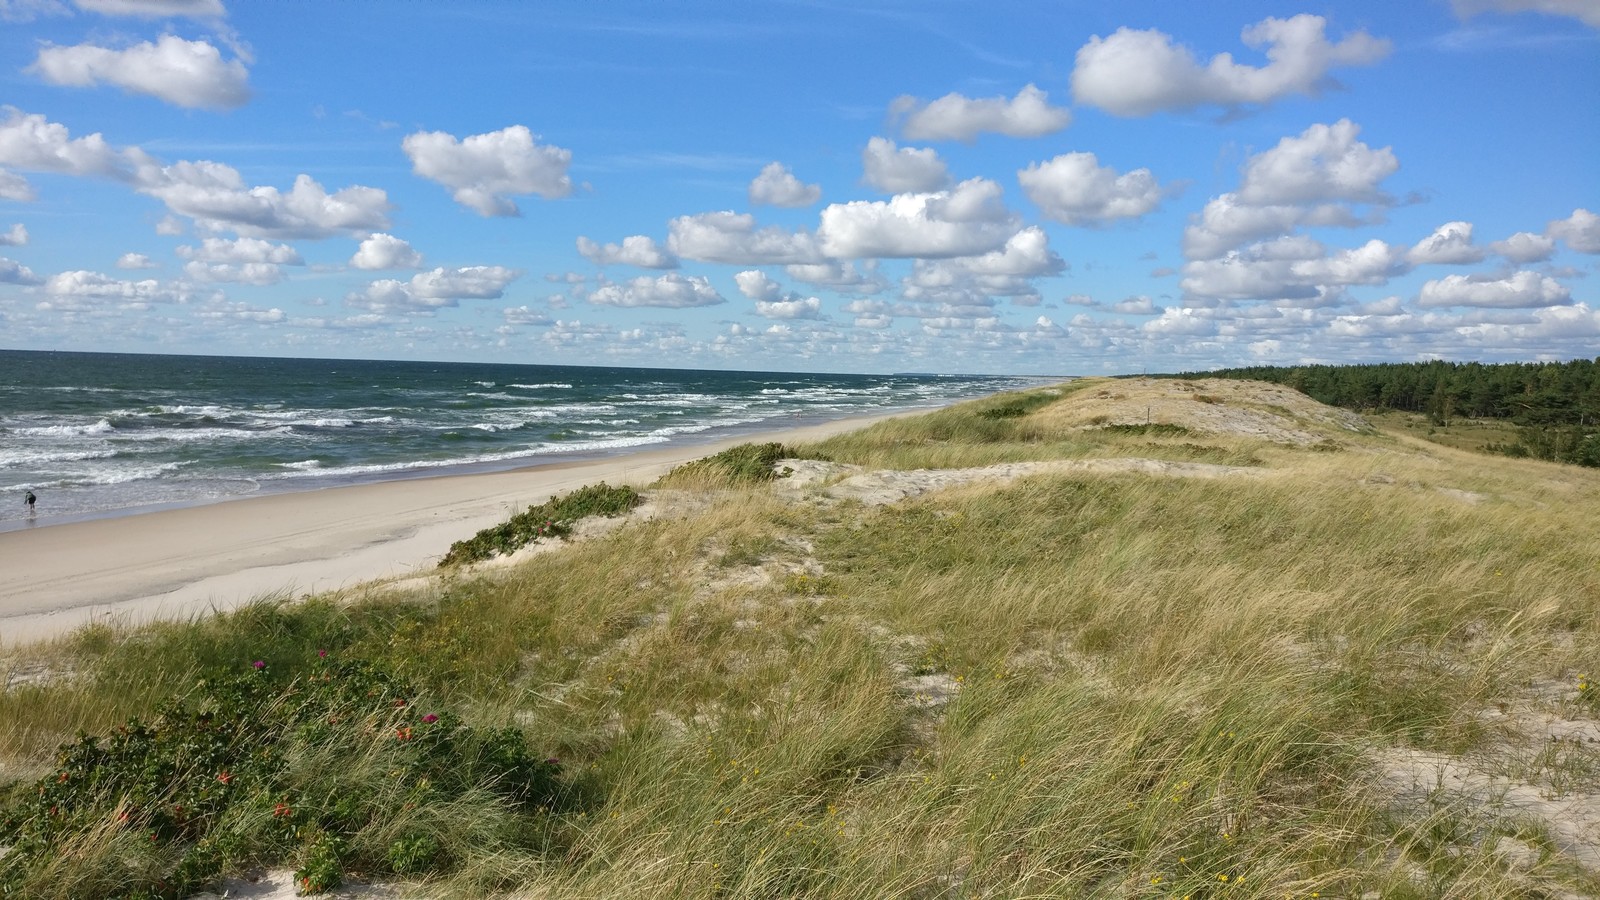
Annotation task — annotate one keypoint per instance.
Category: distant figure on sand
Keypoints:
(30, 499)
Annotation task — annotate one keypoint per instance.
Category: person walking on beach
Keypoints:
(30, 499)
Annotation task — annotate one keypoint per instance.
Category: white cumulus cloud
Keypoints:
(1136, 73)
(185, 73)
(733, 238)
(135, 261)
(954, 117)
(635, 250)
(256, 273)
(385, 251)
(435, 289)
(218, 199)
(902, 170)
(16, 236)
(1580, 231)
(671, 291)
(484, 171)
(794, 308)
(1450, 244)
(1311, 179)
(777, 186)
(1525, 247)
(1075, 189)
(243, 250)
(968, 220)
(1322, 163)
(1517, 291)
(758, 285)
(13, 272)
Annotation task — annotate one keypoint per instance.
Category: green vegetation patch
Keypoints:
(1157, 429)
(551, 519)
(344, 769)
(1018, 405)
(743, 464)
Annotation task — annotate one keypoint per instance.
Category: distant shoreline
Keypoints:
(186, 561)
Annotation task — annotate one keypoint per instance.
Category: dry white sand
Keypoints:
(179, 563)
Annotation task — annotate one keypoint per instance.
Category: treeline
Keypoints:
(1555, 405)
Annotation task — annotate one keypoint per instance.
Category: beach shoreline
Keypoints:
(191, 560)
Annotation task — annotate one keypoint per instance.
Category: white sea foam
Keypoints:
(25, 457)
(301, 466)
(102, 426)
(554, 385)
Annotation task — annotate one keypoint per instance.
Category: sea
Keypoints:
(104, 434)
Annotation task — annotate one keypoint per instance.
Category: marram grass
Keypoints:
(1067, 686)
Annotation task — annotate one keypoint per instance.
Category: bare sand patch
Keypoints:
(1217, 406)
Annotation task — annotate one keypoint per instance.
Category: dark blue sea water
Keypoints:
(100, 434)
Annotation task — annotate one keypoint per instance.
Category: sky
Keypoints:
(1031, 188)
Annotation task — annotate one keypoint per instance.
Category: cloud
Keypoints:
(776, 186)
(260, 274)
(900, 170)
(28, 10)
(838, 276)
(1310, 179)
(523, 315)
(385, 251)
(1322, 163)
(757, 285)
(191, 74)
(15, 187)
(770, 300)
(968, 220)
(975, 280)
(17, 236)
(216, 197)
(155, 9)
(484, 171)
(1182, 321)
(671, 291)
(1585, 11)
(94, 285)
(635, 250)
(1580, 231)
(957, 118)
(1136, 73)
(213, 194)
(732, 238)
(1137, 306)
(13, 272)
(135, 261)
(470, 282)
(32, 143)
(243, 250)
(1450, 244)
(1075, 189)
(794, 308)
(435, 289)
(1525, 247)
(1292, 268)
(1519, 290)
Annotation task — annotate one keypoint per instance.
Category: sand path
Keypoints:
(184, 562)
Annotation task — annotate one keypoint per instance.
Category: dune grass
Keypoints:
(1065, 686)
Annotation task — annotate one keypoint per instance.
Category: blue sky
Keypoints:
(1013, 187)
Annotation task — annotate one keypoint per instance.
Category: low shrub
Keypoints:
(743, 464)
(1163, 429)
(326, 772)
(552, 519)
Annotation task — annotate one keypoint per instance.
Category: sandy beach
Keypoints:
(180, 563)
